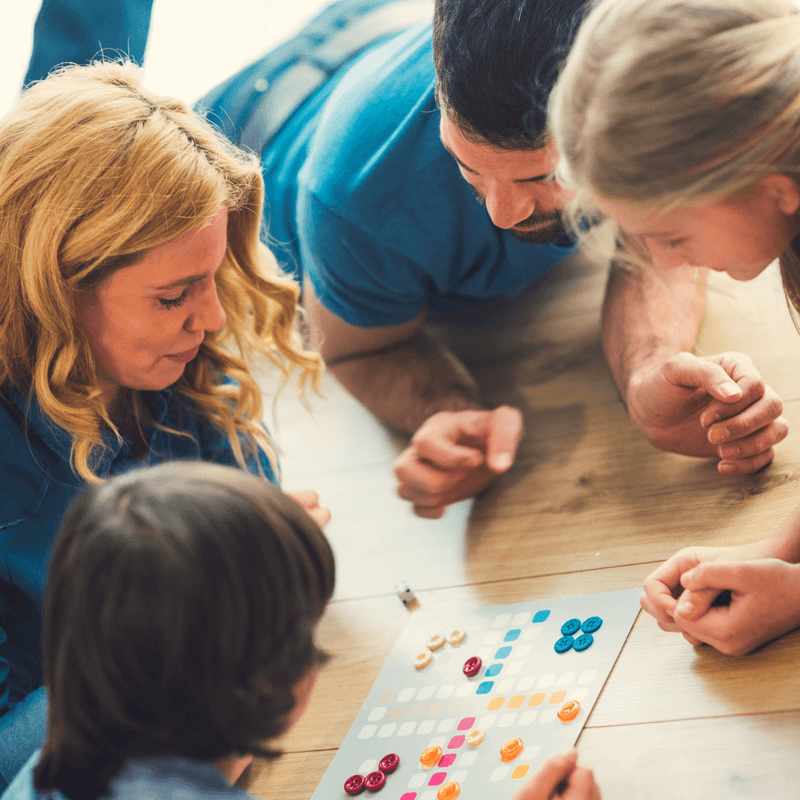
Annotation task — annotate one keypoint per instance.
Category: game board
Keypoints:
(521, 686)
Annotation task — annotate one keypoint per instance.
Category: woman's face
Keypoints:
(147, 321)
(740, 235)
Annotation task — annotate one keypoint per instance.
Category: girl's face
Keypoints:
(740, 235)
(147, 321)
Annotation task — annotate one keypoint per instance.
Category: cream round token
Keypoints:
(456, 637)
(422, 659)
(475, 737)
(436, 641)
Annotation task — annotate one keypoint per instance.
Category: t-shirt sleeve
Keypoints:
(21, 788)
(356, 276)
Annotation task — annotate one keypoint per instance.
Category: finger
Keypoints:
(692, 640)
(691, 372)
(320, 514)
(429, 512)
(425, 480)
(750, 444)
(745, 466)
(582, 785)
(693, 604)
(307, 498)
(720, 575)
(661, 609)
(551, 773)
(439, 447)
(505, 433)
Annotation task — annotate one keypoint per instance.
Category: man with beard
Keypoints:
(377, 135)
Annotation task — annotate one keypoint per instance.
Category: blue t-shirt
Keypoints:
(155, 778)
(364, 197)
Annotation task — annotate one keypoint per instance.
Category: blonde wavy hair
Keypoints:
(95, 171)
(664, 103)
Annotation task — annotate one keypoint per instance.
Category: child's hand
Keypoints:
(308, 500)
(764, 603)
(560, 777)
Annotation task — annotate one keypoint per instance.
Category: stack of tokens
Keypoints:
(376, 780)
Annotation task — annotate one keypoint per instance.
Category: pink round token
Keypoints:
(472, 666)
(389, 763)
(354, 784)
(374, 781)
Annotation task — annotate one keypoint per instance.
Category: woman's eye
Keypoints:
(675, 242)
(174, 303)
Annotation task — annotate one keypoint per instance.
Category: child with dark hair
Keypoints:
(178, 633)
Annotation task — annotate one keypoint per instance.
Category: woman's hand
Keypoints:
(308, 500)
(560, 777)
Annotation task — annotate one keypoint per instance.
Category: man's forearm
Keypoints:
(405, 383)
(648, 317)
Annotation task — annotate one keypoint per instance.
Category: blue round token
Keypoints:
(583, 641)
(570, 626)
(564, 644)
(591, 625)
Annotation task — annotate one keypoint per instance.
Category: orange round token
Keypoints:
(569, 710)
(430, 756)
(448, 790)
(511, 749)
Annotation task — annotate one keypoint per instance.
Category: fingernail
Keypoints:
(501, 461)
(719, 435)
(685, 608)
(709, 419)
(726, 469)
(729, 451)
(729, 389)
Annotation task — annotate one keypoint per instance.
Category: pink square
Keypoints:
(437, 778)
(455, 742)
(409, 796)
(466, 723)
(446, 760)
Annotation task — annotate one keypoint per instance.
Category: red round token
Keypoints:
(472, 666)
(354, 784)
(389, 763)
(374, 781)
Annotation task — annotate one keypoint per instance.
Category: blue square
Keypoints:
(512, 636)
(503, 652)
(541, 616)
(493, 670)
(485, 687)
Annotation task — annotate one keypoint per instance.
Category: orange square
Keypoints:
(558, 697)
(517, 701)
(521, 771)
(536, 699)
(495, 703)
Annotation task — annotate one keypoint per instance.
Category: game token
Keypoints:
(436, 641)
(511, 749)
(448, 790)
(570, 626)
(456, 637)
(354, 784)
(374, 781)
(472, 666)
(421, 660)
(475, 737)
(563, 644)
(569, 711)
(591, 625)
(430, 756)
(389, 763)
(583, 641)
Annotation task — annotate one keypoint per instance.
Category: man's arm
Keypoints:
(712, 406)
(409, 381)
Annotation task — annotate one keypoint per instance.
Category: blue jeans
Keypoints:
(75, 31)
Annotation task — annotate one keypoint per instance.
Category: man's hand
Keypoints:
(715, 405)
(308, 500)
(764, 603)
(456, 454)
(560, 777)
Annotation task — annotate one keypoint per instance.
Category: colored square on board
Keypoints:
(511, 636)
(541, 616)
(409, 796)
(446, 760)
(493, 670)
(495, 703)
(466, 723)
(516, 701)
(521, 771)
(503, 652)
(437, 778)
(455, 742)
(558, 697)
(536, 699)
(484, 688)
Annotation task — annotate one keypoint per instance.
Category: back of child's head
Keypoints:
(179, 615)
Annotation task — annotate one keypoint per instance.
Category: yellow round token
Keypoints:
(421, 660)
(456, 637)
(448, 790)
(511, 749)
(436, 641)
(475, 737)
(430, 756)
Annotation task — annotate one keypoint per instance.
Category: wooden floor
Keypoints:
(590, 506)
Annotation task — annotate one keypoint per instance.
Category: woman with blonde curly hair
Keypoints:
(135, 290)
(680, 120)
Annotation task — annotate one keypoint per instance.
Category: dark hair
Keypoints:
(179, 616)
(496, 63)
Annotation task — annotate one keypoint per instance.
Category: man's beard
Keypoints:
(549, 228)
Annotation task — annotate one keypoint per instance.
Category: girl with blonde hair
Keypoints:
(135, 293)
(680, 119)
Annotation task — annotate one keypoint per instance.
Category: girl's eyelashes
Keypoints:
(174, 303)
